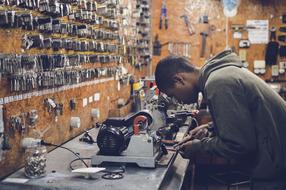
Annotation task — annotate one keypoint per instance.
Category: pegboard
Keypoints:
(101, 93)
(216, 41)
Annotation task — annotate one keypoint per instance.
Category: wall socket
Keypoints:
(75, 122)
(95, 114)
(283, 64)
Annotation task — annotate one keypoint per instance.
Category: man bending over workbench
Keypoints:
(249, 117)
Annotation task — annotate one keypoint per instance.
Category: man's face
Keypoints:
(184, 88)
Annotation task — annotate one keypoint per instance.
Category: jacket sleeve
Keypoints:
(235, 136)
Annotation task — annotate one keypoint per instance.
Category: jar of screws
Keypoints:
(35, 161)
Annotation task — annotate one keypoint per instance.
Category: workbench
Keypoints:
(59, 176)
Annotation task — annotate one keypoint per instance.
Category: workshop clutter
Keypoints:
(28, 72)
(56, 58)
(198, 30)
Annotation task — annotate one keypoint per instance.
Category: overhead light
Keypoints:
(230, 7)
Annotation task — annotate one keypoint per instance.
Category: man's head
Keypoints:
(177, 78)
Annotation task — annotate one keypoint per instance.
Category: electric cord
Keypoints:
(108, 174)
(59, 146)
(87, 138)
(113, 174)
(70, 164)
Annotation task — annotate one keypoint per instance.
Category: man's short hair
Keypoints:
(168, 67)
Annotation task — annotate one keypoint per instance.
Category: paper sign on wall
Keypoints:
(84, 102)
(96, 97)
(90, 99)
(258, 31)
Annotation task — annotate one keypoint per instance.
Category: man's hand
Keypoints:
(200, 132)
(185, 139)
(185, 146)
(197, 133)
(186, 150)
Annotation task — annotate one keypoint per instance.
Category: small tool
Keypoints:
(204, 42)
(188, 24)
(163, 15)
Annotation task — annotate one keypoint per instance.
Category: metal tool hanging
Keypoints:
(163, 16)
(180, 49)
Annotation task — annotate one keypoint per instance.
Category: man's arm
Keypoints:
(236, 134)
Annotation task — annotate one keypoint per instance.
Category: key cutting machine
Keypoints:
(129, 140)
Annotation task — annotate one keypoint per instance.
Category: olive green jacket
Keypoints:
(249, 117)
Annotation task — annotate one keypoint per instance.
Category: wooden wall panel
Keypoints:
(59, 129)
(216, 42)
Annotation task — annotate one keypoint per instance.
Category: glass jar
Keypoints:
(35, 161)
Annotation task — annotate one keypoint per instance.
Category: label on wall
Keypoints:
(237, 35)
(96, 97)
(258, 31)
(90, 99)
(84, 102)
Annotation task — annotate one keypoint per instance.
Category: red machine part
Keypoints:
(138, 122)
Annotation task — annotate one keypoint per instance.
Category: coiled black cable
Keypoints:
(108, 174)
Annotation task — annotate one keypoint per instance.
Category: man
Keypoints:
(249, 117)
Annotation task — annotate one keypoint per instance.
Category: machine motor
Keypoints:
(115, 133)
(112, 140)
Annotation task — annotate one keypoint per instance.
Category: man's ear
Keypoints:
(178, 79)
